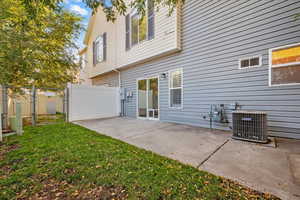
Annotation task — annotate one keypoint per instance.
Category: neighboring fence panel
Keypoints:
(45, 107)
(93, 102)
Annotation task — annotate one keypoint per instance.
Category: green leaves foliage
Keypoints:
(119, 7)
(37, 50)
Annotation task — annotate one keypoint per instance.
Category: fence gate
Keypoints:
(93, 102)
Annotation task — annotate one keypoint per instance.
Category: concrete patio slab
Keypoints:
(294, 160)
(184, 143)
(261, 167)
(180, 142)
(121, 128)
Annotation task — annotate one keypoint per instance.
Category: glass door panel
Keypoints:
(152, 98)
(142, 98)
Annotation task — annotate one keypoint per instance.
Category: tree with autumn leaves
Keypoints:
(37, 38)
(112, 8)
(37, 50)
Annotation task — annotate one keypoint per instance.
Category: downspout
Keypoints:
(122, 102)
(116, 57)
(116, 70)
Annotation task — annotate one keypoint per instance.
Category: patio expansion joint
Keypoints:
(143, 133)
(213, 153)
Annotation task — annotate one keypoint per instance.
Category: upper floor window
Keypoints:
(150, 19)
(255, 61)
(82, 61)
(138, 27)
(284, 65)
(175, 87)
(99, 49)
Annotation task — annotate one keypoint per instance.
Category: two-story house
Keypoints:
(173, 68)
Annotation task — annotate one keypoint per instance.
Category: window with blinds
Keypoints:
(176, 87)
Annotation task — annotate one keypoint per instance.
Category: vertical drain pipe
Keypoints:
(118, 71)
(121, 100)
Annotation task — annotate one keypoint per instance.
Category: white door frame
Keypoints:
(137, 98)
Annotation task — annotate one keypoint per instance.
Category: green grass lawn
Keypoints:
(45, 119)
(65, 161)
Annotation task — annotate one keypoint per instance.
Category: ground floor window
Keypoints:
(250, 62)
(175, 88)
(285, 65)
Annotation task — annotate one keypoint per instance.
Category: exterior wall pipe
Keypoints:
(121, 101)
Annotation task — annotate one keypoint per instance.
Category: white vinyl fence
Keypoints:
(93, 102)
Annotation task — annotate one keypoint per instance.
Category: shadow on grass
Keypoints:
(67, 161)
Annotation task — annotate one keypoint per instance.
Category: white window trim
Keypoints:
(169, 85)
(248, 58)
(97, 56)
(280, 65)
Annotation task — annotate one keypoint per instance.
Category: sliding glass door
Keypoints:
(148, 99)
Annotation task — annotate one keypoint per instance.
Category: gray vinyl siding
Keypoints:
(215, 35)
(111, 79)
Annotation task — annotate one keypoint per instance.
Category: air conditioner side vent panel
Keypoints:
(250, 126)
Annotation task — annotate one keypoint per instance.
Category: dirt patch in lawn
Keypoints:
(52, 189)
(227, 184)
(5, 148)
(65, 161)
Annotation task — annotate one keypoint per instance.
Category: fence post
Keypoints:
(19, 122)
(64, 101)
(33, 106)
(4, 107)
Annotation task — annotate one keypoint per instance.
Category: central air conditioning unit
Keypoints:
(250, 126)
